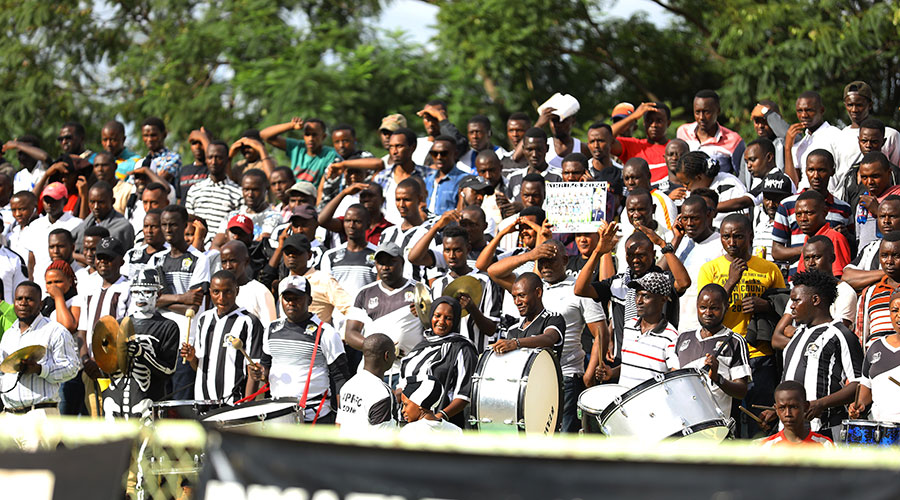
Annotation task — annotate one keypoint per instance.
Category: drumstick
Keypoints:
(190, 315)
(751, 415)
(239, 345)
(761, 407)
(892, 379)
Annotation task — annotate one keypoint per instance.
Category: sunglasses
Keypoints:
(438, 154)
(65, 138)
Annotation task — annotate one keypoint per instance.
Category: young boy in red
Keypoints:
(791, 407)
(810, 212)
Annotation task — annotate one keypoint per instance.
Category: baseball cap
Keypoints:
(658, 283)
(55, 190)
(777, 183)
(304, 187)
(241, 222)
(305, 211)
(858, 87)
(390, 248)
(393, 122)
(298, 241)
(474, 182)
(110, 247)
(427, 393)
(296, 284)
(622, 110)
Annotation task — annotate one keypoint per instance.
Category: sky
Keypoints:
(417, 18)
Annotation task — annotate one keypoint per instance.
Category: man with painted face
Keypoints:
(288, 346)
(865, 269)
(151, 354)
(111, 298)
(382, 307)
(536, 155)
(577, 312)
(859, 104)
(705, 134)
(612, 290)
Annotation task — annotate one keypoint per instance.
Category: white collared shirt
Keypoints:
(59, 364)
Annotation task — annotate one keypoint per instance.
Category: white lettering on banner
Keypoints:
(231, 490)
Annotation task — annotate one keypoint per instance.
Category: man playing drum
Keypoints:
(538, 327)
(716, 349)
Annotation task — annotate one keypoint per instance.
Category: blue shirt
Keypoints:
(442, 194)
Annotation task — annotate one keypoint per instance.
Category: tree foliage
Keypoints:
(237, 64)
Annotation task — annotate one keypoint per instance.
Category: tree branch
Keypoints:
(698, 23)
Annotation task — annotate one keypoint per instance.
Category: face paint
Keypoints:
(143, 302)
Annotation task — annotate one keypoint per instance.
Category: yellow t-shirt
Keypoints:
(759, 277)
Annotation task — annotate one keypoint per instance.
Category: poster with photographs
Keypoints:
(576, 207)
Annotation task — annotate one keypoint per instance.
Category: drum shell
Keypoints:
(591, 403)
(659, 409)
(183, 409)
(505, 385)
(859, 432)
(257, 413)
(889, 434)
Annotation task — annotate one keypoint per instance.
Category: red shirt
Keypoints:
(655, 154)
(373, 234)
(841, 250)
(812, 438)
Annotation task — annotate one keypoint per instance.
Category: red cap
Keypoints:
(241, 222)
(55, 190)
(622, 110)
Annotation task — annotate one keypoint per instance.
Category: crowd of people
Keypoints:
(766, 261)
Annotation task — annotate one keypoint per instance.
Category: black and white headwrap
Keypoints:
(427, 393)
(658, 283)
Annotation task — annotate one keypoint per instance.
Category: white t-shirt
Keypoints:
(848, 152)
(693, 255)
(366, 403)
(423, 428)
(825, 137)
(258, 301)
(36, 237)
(577, 313)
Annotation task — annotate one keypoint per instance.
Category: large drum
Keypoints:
(593, 401)
(257, 413)
(677, 404)
(183, 409)
(518, 391)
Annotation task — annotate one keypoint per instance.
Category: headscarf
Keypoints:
(457, 312)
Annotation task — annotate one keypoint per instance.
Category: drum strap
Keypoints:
(252, 396)
(312, 363)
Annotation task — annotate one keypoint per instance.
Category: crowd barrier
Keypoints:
(111, 460)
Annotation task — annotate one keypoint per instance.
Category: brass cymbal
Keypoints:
(465, 285)
(32, 352)
(105, 345)
(423, 304)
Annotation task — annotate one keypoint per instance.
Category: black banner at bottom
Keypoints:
(242, 466)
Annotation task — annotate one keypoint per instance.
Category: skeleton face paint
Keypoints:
(143, 301)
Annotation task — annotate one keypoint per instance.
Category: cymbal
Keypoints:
(32, 352)
(105, 345)
(465, 285)
(126, 332)
(423, 304)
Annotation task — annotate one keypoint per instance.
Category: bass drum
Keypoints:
(518, 391)
(676, 405)
(592, 401)
(257, 413)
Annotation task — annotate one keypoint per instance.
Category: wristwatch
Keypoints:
(668, 248)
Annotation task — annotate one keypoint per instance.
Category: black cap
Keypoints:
(777, 183)
(474, 182)
(110, 247)
(298, 241)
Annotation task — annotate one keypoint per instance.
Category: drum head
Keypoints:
(596, 399)
(542, 395)
(253, 411)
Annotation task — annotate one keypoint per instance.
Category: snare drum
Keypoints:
(593, 401)
(518, 391)
(183, 409)
(677, 405)
(859, 432)
(259, 413)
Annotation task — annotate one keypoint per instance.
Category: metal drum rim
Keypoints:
(644, 386)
